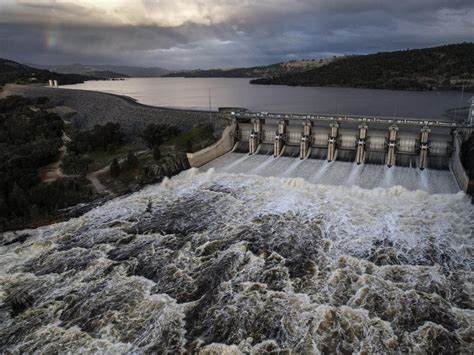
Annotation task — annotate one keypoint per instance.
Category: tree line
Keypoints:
(446, 67)
(30, 138)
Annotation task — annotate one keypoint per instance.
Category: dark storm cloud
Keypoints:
(224, 33)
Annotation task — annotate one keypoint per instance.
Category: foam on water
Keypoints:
(317, 171)
(236, 263)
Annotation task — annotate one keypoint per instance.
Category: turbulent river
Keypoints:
(212, 262)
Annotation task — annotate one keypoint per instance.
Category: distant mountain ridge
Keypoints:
(13, 72)
(115, 71)
(449, 67)
(293, 66)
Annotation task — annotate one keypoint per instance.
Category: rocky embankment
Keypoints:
(99, 108)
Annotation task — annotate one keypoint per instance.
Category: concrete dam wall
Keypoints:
(421, 144)
(368, 151)
(222, 146)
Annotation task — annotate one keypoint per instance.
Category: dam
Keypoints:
(344, 150)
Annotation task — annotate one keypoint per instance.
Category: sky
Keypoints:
(187, 34)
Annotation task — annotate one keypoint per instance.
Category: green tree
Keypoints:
(152, 135)
(157, 134)
(115, 168)
(189, 146)
(18, 201)
(132, 160)
(74, 164)
(156, 153)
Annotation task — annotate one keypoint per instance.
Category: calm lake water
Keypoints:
(194, 93)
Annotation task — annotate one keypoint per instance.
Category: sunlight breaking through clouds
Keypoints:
(162, 32)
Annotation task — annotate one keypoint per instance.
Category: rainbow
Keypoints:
(51, 38)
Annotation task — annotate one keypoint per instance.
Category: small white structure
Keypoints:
(55, 83)
(50, 83)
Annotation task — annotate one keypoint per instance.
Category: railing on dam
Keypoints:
(246, 114)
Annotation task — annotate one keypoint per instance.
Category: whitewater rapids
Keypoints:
(215, 262)
(319, 171)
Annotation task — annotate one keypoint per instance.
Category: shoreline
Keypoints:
(134, 101)
(127, 98)
(93, 107)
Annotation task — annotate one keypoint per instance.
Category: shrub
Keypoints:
(115, 168)
(156, 153)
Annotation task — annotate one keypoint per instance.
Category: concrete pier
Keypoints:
(360, 154)
(392, 145)
(280, 138)
(332, 141)
(255, 136)
(305, 140)
(424, 134)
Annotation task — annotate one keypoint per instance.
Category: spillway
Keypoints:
(341, 150)
(341, 173)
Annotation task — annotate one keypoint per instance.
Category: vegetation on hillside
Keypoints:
(156, 134)
(13, 72)
(165, 156)
(196, 139)
(105, 74)
(101, 138)
(448, 67)
(30, 138)
(254, 72)
(104, 70)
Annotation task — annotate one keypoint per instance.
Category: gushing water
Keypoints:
(321, 171)
(340, 173)
(424, 182)
(388, 177)
(291, 168)
(261, 167)
(223, 263)
(236, 163)
(354, 175)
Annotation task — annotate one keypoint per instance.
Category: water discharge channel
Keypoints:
(317, 171)
(237, 263)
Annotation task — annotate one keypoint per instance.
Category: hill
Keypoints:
(447, 67)
(13, 72)
(106, 74)
(255, 72)
(113, 71)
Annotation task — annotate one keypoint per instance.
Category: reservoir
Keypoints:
(193, 93)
